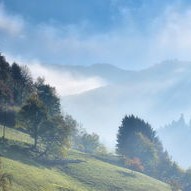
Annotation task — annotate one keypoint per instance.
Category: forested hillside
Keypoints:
(33, 107)
(36, 131)
(36, 136)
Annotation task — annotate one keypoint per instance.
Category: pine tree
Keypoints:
(131, 128)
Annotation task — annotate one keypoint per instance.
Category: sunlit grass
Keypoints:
(15, 135)
(28, 177)
(86, 173)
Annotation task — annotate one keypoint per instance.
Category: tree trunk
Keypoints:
(35, 137)
(4, 126)
(3, 133)
(35, 142)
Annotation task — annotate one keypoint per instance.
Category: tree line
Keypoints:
(141, 150)
(34, 107)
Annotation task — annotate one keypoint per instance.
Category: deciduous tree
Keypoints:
(33, 114)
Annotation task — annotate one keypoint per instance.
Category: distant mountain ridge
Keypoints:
(113, 73)
(157, 94)
(108, 72)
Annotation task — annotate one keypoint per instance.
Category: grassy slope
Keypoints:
(88, 174)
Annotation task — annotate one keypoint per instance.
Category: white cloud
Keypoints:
(174, 37)
(11, 24)
(65, 83)
(167, 37)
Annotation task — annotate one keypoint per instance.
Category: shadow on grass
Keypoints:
(63, 162)
(17, 151)
(23, 152)
(127, 174)
(111, 159)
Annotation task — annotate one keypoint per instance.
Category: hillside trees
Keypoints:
(57, 128)
(15, 86)
(5, 81)
(35, 107)
(135, 133)
(56, 133)
(45, 121)
(33, 114)
(22, 84)
(89, 143)
(5, 94)
(4, 69)
(136, 140)
(16, 75)
(5, 91)
(16, 83)
(48, 96)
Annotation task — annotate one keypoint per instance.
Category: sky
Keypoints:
(131, 34)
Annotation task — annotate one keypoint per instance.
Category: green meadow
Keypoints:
(80, 172)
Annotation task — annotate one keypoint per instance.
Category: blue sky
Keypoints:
(131, 34)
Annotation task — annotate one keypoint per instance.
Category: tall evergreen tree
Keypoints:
(128, 131)
(137, 140)
(17, 86)
(4, 69)
(5, 81)
(48, 96)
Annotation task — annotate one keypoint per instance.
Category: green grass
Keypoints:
(28, 177)
(100, 175)
(87, 174)
(15, 135)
